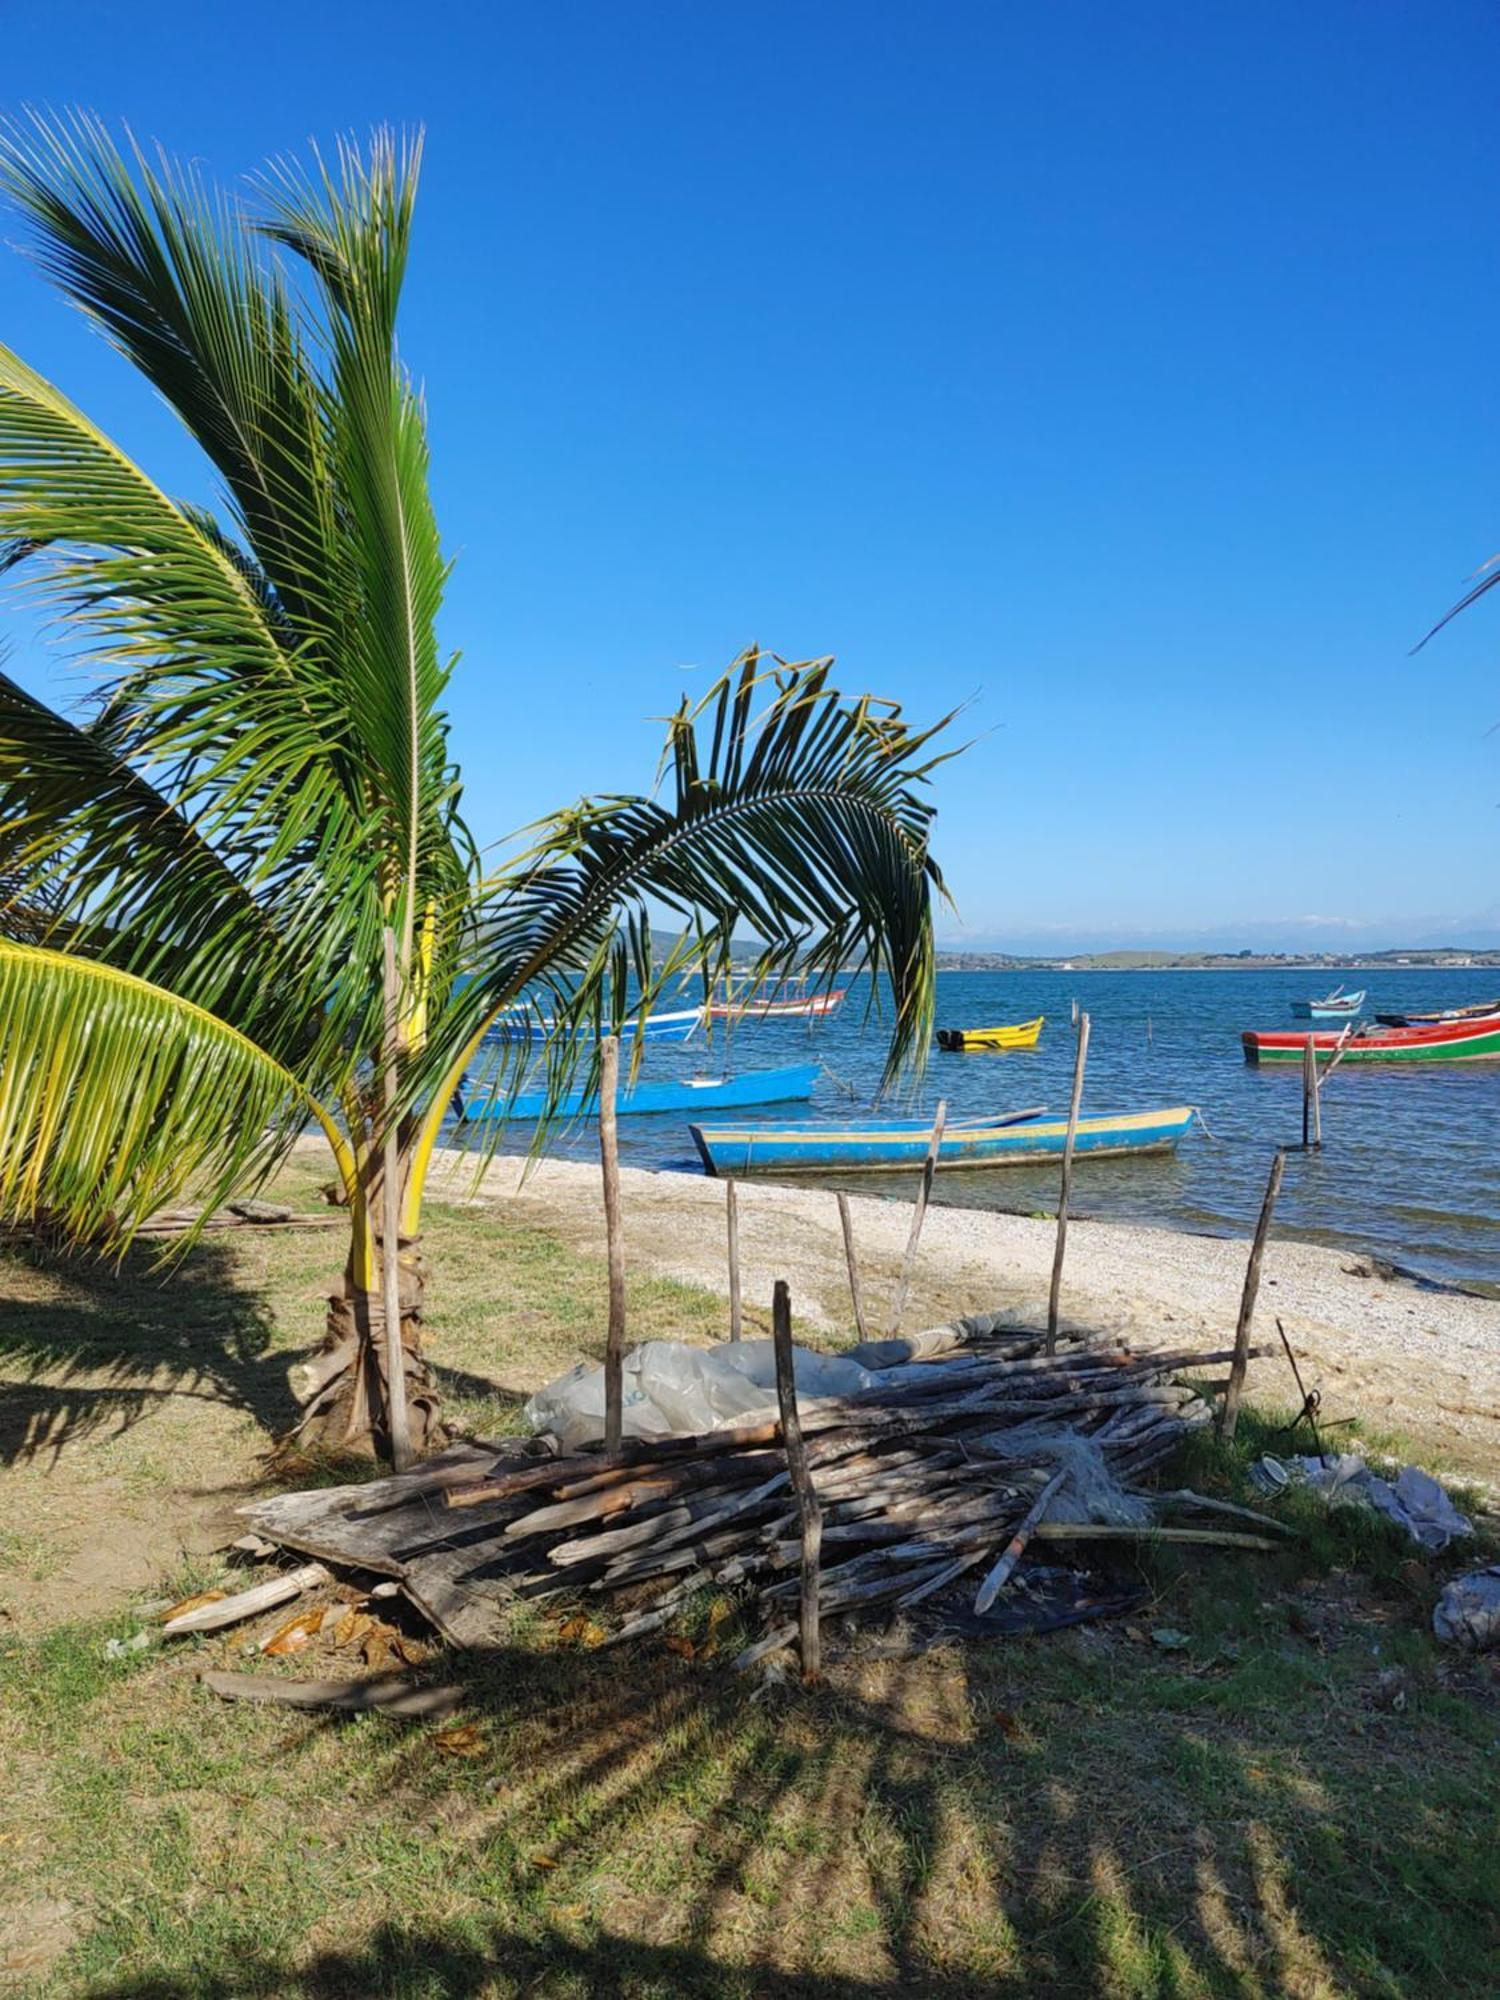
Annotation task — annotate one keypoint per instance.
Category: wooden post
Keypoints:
(1066, 1193)
(397, 1417)
(732, 1220)
(929, 1168)
(846, 1222)
(1229, 1415)
(1317, 1103)
(809, 1512)
(609, 1155)
(1309, 1090)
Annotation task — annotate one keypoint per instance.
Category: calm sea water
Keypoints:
(1411, 1163)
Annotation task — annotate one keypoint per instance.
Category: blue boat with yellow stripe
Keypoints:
(889, 1145)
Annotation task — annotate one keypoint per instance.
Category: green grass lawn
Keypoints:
(1296, 1794)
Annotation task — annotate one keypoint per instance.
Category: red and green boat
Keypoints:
(1441, 1041)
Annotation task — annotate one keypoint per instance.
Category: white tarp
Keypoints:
(672, 1390)
(1413, 1500)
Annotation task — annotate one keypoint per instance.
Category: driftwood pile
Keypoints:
(949, 1467)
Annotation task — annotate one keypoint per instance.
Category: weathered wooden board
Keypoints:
(399, 1527)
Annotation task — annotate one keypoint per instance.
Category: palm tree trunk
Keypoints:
(342, 1385)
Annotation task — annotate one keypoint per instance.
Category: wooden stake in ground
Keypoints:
(1229, 1415)
(809, 1512)
(1311, 1124)
(732, 1220)
(390, 1224)
(846, 1223)
(609, 1156)
(929, 1168)
(1066, 1194)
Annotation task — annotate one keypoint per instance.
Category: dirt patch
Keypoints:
(34, 1934)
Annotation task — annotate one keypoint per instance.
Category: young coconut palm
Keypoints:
(238, 898)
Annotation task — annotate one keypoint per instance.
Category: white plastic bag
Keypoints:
(1468, 1612)
(669, 1389)
(1415, 1501)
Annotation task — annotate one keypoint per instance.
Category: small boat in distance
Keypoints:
(1335, 1006)
(1448, 1041)
(877, 1145)
(680, 1026)
(1023, 1036)
(787, 1085)
(1485, 1010)
(793, 999)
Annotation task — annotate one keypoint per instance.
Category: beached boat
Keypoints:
(888, 1144)
(791, 1002)
(1335, 1006)
(787, 1085)
(1023, 1035)
(679, 1026)
(1484, 1010)
(1448, 1041)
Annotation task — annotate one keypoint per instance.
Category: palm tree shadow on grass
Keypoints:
(111, 1343)
(875, 1838)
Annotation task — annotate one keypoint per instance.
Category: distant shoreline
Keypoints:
(1485, 961)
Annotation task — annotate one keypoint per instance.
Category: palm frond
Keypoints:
(1487, 577)
(163, 264)
(277, 678)
(791, 811)
(94, 860)
(116, 1097)
(352, 227)
(197, 679)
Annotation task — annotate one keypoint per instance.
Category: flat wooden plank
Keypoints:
(386, 1694)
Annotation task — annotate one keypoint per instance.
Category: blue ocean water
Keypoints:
(1411, 1163)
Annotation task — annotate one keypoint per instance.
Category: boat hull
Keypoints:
(676, 1027)
(894, 1146)
(1336, 1007)
(1475, 1041)
(791, 1084)
(812, 1006)
(1024, 1035)
(1489, 1010)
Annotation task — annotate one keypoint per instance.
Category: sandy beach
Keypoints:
(1423, 1362)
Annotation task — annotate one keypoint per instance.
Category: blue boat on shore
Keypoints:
(791, 1083)
(888, 1145)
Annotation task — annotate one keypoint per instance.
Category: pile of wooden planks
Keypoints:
(951, 1465)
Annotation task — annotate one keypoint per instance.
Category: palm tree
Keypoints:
(237, 897)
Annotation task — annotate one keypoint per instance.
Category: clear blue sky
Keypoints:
(1129, 368)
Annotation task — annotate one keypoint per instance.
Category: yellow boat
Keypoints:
(1023, 1036)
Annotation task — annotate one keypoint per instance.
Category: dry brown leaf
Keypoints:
(382, 1643)
(193, 1604)
(543, 1861)
(352, 1625)
(572, 1628)
(467, 1740)
(295, 1634)
(683, 1648)
(718, 1611)
(593, 1635)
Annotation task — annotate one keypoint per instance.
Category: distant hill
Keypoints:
(745, 951)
